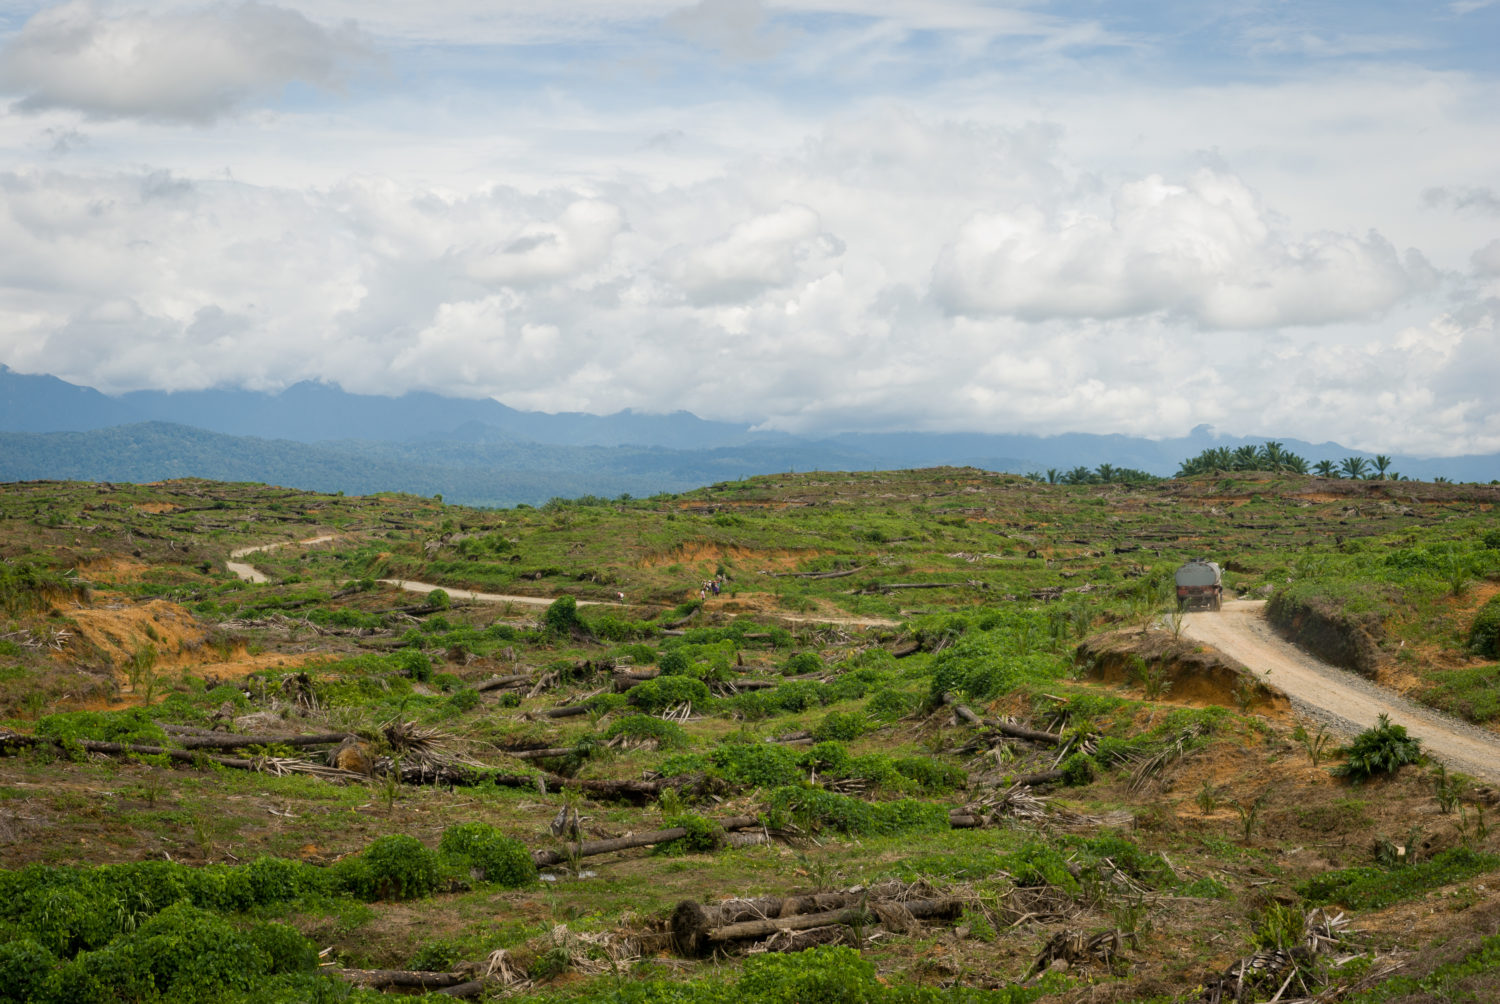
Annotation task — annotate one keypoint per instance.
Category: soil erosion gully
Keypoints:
(1346, 702)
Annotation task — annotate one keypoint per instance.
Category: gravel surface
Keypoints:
(1346, 703)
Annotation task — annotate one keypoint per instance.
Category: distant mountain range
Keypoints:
(480, 452)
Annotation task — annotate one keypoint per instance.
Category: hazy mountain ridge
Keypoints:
(318, 436)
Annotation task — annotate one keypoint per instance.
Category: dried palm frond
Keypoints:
(422, 746)
(1015, 802)
(1148, 767)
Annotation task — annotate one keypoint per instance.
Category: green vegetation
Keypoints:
(813, 701)
(1384, 749)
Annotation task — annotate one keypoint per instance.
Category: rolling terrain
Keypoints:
(938, 735)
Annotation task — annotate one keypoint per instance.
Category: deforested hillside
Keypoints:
(885, 736)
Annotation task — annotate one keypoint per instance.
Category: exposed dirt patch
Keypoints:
(112, 570)
(1198, 675)
(708, 556)
(156, 508)
(118, 630)
(1330, 634)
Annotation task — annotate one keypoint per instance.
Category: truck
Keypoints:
(1200, 583)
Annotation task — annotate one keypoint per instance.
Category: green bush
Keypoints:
(25, 969)
(979, 667)
(763, 765)
(561, 617)
(799, 695)
(815, 810)
(1078, 769)
(666, 735)
(929, 774)
(499, 860)
(1484, 632)
(674, 662)
(801, 663)
(703, 836)
(1035, 863)
(395, 866)
(413, 663)
(667, 691)
(133, 726)
(1369, 888)
(890, 704)
(843, 726)
(1380, 750)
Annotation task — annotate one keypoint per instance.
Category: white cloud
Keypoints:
(737, 28)
(757, 254)
(185, 65)
(1204, 250)
(578, 239)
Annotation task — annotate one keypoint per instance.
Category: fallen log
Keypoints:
(1004, 728)
(499, 682)
(16, 739)
(408, 979)
(697, 930)
(589, 848)
(566, 711)
(886, 587)
(815, 575)
(542, 754)
(1021, 732)
(224, 741)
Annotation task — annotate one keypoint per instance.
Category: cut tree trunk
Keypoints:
(697, 930)
(589, 848)
(500, 682)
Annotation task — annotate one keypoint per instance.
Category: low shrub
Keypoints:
(1370, 888)
(816, 810)
(802, 663)
(1484, 632)
(888, 705)
(644, 728)
(395, 866)
(496, 858)
(843, 726)
(666, 692)
(1380, 750)
(763, 765)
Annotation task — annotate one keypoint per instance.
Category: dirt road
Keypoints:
(1345, 702)
(252, 574)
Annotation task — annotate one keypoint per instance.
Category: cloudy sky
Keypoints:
(816, 215)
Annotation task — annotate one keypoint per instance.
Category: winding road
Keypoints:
(250, 573)
(1345, 702)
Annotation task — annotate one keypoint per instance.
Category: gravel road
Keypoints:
(1346, 703)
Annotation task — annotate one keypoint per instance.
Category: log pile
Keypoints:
(698, 929)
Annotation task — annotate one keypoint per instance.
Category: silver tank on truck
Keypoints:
(1200, 583)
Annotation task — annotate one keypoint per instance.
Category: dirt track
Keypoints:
(250, 573)
(1347, 703)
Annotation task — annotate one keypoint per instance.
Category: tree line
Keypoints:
(1273, 456)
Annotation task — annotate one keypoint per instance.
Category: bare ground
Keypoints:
(1344, 701)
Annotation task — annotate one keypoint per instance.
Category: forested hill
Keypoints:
(318, 436)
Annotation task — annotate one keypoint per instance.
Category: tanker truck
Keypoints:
(1200, 583)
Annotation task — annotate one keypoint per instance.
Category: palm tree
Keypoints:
(1354, 467)
(1244, 458)
(1052, 475)
(1272, 455)
(1106, 473)
(1078, 476)
(1382, 464)
(1325, 469)
(1295, 464)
